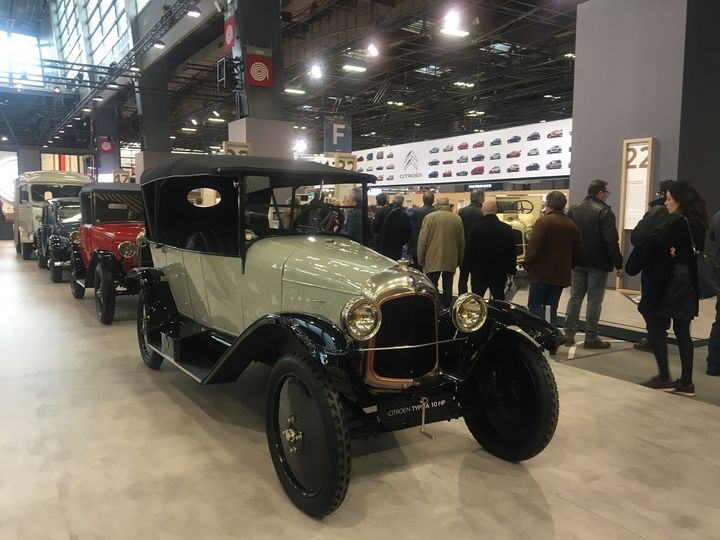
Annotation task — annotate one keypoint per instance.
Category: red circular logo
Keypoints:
(229, 35)
(106, 146)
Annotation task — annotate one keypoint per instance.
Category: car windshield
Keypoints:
(44, 192)
(308, 209)
(68, 214)
(118, 207)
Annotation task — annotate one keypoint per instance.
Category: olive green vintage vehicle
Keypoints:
(358, 343)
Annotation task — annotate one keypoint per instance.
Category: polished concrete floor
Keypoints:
(94, 445)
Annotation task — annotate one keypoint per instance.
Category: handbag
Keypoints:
(510, 289)
(707, 279)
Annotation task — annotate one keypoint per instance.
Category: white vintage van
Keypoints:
(32, 189)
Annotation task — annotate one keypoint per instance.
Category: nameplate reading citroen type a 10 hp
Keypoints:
(408, 412)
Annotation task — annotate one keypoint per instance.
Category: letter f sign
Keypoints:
(338, 132)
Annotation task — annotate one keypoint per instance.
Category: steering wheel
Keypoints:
(322, 217)
(524, 206)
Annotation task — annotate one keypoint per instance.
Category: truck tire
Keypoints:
(510, 402)
(307, 435)
(42, 261)
(104, 293)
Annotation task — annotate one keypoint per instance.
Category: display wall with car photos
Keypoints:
(532, 151)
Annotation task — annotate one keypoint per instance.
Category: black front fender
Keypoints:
(276, 334)
(542, 332)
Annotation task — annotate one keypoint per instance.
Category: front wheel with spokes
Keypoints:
(307, 435)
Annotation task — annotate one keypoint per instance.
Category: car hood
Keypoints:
(330, 262)
(120, 232)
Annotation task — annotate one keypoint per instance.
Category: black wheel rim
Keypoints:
(297, 410)
(509, 399)
(98, 294)
(144, 342)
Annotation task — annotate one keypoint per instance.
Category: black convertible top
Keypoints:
(115, 187)
(290, 171)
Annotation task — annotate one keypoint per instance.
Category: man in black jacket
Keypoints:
(394, 229)
(596, 222)
(416, 218)
(470, 216)
(490, 254)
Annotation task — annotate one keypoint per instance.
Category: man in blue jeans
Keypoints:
(596, 222)
(554, 246)
(713, 359)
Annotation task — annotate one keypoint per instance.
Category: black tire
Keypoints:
(149, 357)
(42, 261)
(300, 399)
(104, 293)
(77, 290)
(27, 250)
(510, 403)
(56, 272)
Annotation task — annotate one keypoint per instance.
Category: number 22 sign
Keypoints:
(636, 179)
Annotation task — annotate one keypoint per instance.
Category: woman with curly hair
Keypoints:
(670, 292)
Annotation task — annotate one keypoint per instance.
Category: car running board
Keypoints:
(195, 353)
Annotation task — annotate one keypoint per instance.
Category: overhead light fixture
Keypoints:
(316, 71)
(451, 25)
(417, 124)
(215, 113)
(215, 147)
(354, 69)
(3, 138)
(56, 89)
(158, 44)
(98, 99)
(474, 113)
(368, 134)
(300, 146)
(45, 145)
(61, 131)
(173, 137)
(217, 120)
(193, 122)
(303, 127)
(68, 125)
(87, 109)
(463, 84)
(296, 91)
(296, 127)
(569, 55)
(188, 129)
(193, 11)
(18, 87)
(396, 103)
(77, 118)
(372, 50)
(56, 137)
(113, 86)
(50, 141)
(134, 68)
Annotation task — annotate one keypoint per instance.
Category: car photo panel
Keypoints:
(525, 152)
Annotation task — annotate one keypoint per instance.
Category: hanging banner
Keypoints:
(258, 70)
(229, 33)
(338, 135)
(105, 146)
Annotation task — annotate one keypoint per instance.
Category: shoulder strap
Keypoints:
(692, 238)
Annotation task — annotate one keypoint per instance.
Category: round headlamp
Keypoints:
(74, 237)
(469, 313)
(126, 250)
(361, 319)
(141, 240)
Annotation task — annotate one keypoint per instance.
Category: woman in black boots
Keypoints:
(670, 284)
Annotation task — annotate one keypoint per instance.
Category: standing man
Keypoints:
(659, 215)
(713, 359)
(441, 245)
(416, 219)
(596, 222)
(470, 215)
(394, 230)
(555, 244)
(490, 254)
(381, 210)
(353, 223)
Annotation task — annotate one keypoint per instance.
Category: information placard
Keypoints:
(636, 180)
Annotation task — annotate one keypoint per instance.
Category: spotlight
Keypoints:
(372, 50)
(355, 69)
(215, 113)
(56, 89)
(316, 71)
(300, 146)
(158, 44)
(193, 11)
(4, 138)
(451, 25)
(193, 122)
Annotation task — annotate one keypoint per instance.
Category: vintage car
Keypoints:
(106, 250)
(357, 343)
(58, 228)
(520, 212)
(32, 189)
